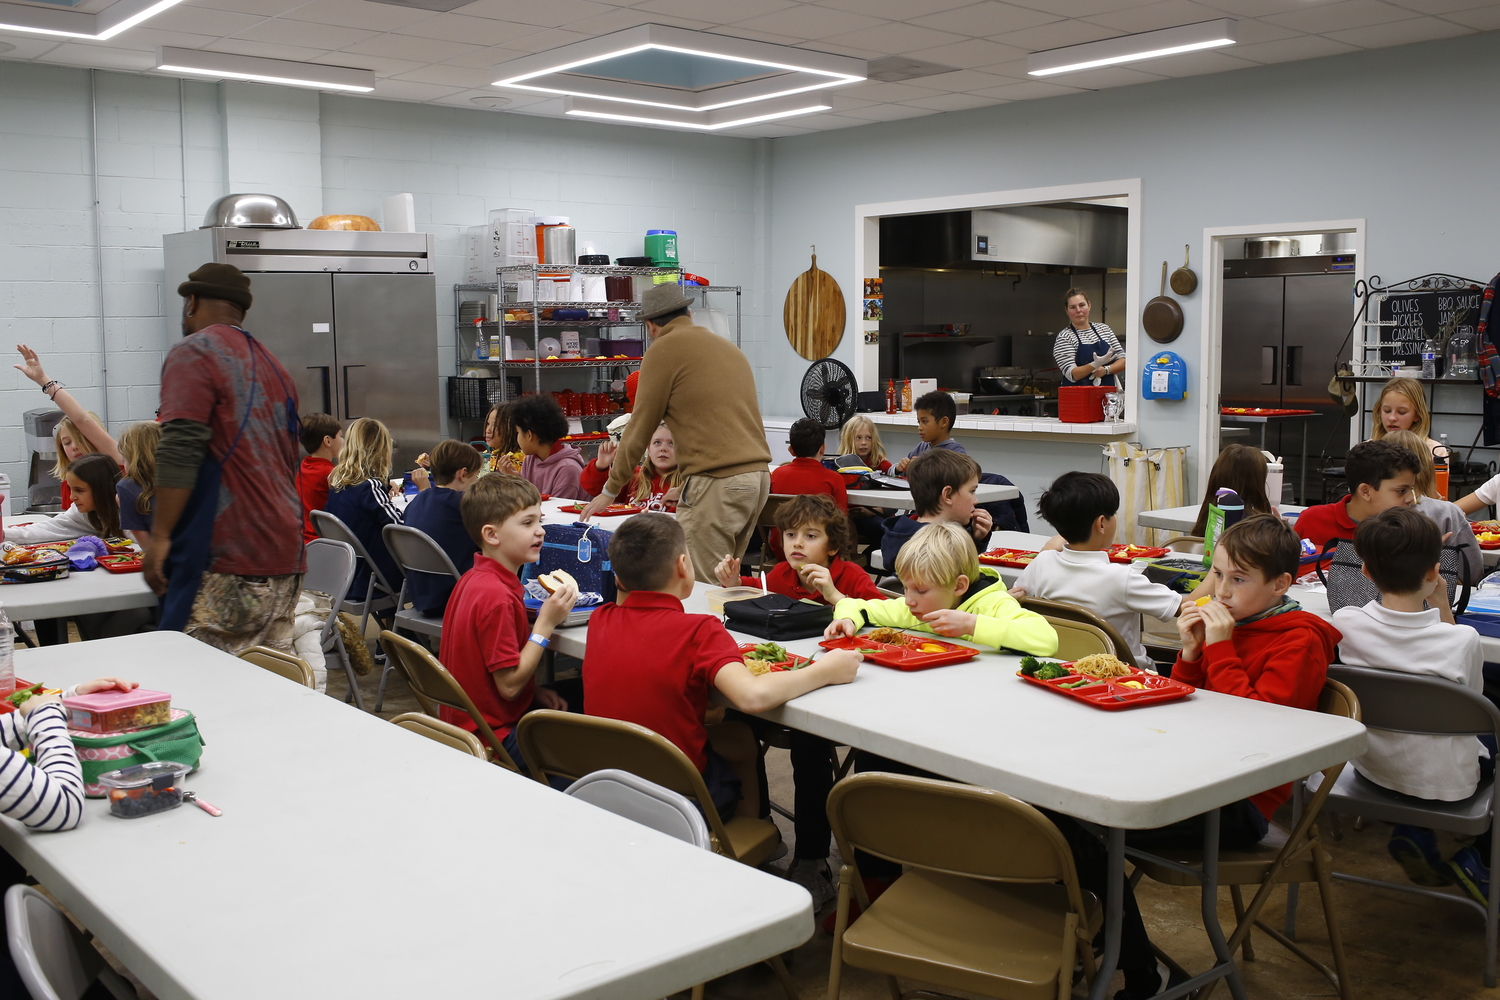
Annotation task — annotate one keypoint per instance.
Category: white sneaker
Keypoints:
(816, 879)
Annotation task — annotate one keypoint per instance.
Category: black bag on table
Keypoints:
(777, 617)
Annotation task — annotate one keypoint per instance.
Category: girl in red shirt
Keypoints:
(655, 485)
(860, 439)
(813, 534)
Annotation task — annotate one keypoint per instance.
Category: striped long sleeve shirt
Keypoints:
(48, 795)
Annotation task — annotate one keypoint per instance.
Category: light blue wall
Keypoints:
(1401, 137)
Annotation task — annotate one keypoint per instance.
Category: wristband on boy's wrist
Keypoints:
(541, 640)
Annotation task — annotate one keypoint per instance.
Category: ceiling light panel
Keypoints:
(674, 69)
(1133, 48)
(229, 66)
(109, 22)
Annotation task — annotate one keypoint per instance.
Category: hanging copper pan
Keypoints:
(1184, 281)
(1163, 316)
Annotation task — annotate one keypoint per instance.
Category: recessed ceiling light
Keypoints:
(109, 22)
(1133, 48)
(229, 66)
(703, 121)
(659, 66)
(490, 102)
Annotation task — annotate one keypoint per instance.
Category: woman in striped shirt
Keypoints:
(1086, 352)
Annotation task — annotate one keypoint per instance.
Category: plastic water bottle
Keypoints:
(7, 655)
(1429, 358)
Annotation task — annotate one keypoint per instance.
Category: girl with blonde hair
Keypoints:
(860, 439)
(79, 433)
(1402, 407)
(656, 484)
(359, 495)
(136, 491)
(1449, 517)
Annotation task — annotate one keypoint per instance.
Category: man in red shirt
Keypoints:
(806, 473)
(1381, 475)
(487, 645)
(322, 439)
(226, 544)
(667, 690)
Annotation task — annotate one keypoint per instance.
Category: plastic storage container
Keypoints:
(661, 247)
(1082, 404)
(144, 789)
(720, 596)
(118, 711)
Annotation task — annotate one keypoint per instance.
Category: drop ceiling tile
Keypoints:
(248, 47)
(891, 112)
(1055, 35)
(1340, 16)
(824, 45)
(1110, 76)
(768, 130)
(473, 30)
(827, 122)
(28, 48)
(551, 14)
(149, 38)
(1483, 18)
(1251, 31)
(984, 19)
(1196, 64)
(266, 8)
(739, 31)
(359, 14)
(809, 21)
(964, 81)
(896, 10)
(716, 11)
(1438, 7)
(847, 103)
(449, 76)
(969, 54)
(1421, 29)
(100, 57)
(620, 18)
(1151, 16)
(953, 102)
(379, 65)
(486, 58)
(892, 38)
(1029, 90)
(887, 92)
(423, 50)
(401, 90)
(549, 38)
(1076, 8)
(202, 20)
(304, 33)
(1292, 49)
(1257, 8)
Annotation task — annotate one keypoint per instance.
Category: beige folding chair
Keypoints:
(570, 746)
(1076, 639)
(434, 688)
(293, 668)
(1073, 613)
(1301, 859)
(990, 901)
(1191, 544)
(441, 732)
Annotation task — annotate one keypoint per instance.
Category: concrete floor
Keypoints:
(1399, 947)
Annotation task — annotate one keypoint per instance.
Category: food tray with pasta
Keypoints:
(891, 647)
(613, 510)
(770, 657)
(1129, 553)
(1014, 558)
(1102, 681)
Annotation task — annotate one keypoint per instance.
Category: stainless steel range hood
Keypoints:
(1068, 234)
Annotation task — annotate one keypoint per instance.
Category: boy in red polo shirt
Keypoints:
(487, 644)
(805, 473)
(815, 534)
(650, 663)
(322, 439)
(1381, 475)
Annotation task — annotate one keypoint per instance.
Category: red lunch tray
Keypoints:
(1130, 553)
(903, 657)
(1260, 411)
(613, 510)
(793, 662)
(121, 563)
(1111, 695)
(1014, 558)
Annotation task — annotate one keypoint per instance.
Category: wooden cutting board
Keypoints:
(814, 313)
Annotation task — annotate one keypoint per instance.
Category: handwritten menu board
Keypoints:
(1426, 314)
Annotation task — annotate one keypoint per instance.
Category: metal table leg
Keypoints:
(1113, 910)
(1211, 904)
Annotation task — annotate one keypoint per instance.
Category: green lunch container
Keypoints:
(661, 247)
(177, 740)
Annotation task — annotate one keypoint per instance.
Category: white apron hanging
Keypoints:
(1148, 479)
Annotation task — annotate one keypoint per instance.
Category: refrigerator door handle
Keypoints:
(1293, 366)
(1268, 366)
(349, 400)
(326, 385)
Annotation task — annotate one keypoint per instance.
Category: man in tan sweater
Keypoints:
(702, 386)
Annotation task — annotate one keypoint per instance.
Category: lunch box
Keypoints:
(144, 789)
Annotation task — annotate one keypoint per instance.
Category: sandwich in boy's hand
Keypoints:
(557, 579)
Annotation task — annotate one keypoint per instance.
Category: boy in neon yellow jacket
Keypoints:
(947, 592)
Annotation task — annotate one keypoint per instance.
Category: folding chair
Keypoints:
(766, 522)
(56, 960)
(330, 570)
(1301, 859)
(1410, 703)
(664, 811)
(379, 595)
(442, 732)
(1076, 639)
(990, 901)
(435, 688)
(570, 746)
(415, 552)
(293, 668)
(1073, 613)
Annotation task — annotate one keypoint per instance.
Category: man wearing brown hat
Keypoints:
(226, 544)
(702, 386)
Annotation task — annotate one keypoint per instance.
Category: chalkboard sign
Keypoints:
(1427, 314)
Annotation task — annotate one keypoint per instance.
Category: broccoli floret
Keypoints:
(1050, 671)
(1029, 665)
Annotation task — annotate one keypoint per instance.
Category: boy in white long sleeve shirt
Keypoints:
(1082, 507)
(1400, 548)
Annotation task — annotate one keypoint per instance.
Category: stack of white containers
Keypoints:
(509, 238)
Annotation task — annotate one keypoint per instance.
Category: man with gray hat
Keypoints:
(226, 544)
(702, 386)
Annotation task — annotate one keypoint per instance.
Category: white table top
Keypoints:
(1137, 769)
(78, 594)
(901, 499)
(512, 889)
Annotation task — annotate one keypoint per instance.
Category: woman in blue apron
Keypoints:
(1086, 353)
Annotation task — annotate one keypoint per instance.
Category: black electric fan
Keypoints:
(828, 392)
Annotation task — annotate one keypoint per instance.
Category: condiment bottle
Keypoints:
(906, 395)
(890, 395)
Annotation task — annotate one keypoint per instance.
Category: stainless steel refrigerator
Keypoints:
(351, 315)
(1281, 337)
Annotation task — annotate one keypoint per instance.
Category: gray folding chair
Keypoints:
(330, 570)
(55, 959)
(416, 552)
(1409, 703)
(646, 802)
(379, 594)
